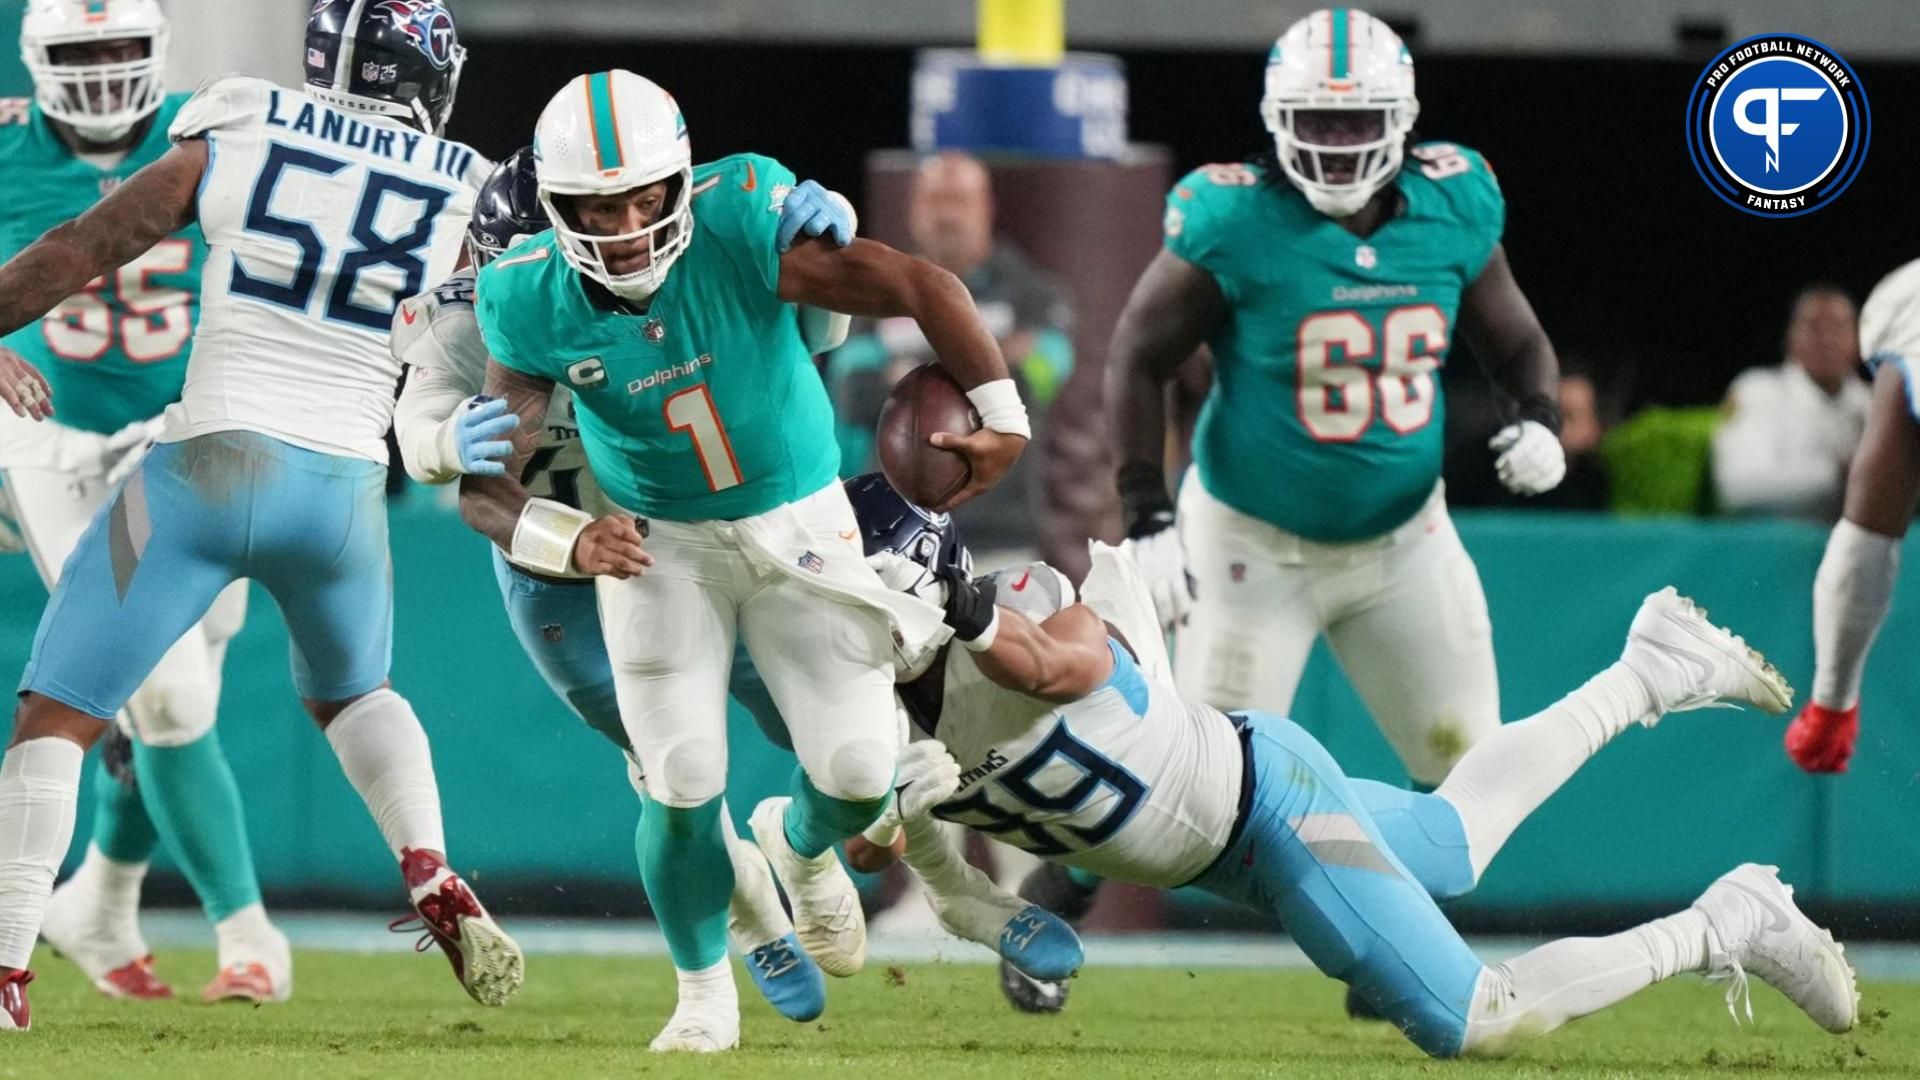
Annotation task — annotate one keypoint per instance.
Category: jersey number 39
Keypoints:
(1063, 782)
(1336, 389)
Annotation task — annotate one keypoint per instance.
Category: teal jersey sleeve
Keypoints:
(507, 292)
(738, 199)
(1464, 185)
(1202, 212)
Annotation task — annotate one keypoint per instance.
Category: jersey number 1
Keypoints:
(1336, 393)
(691, 410)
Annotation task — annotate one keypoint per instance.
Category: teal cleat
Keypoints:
(1041, 945)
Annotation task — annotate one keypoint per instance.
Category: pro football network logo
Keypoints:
(1778, 125)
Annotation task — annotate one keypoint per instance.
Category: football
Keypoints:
(925, 401)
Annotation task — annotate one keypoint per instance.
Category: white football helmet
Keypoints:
(101, 101)
(608, 132)
(1339, 59)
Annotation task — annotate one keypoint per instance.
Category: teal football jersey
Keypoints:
(116, 352)
(1325, 418)
(705, 407)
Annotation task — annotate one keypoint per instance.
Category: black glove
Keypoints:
(970, 609)
(1144, 502)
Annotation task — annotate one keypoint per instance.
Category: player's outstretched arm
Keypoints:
(876, 281)
(542, 533)
(154, 203)
(1501, 328)
(1063, 659)
(1174, 307)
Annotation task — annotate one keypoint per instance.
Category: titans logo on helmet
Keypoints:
(428, 25)
(1778, 125)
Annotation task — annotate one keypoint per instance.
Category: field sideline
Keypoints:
(388, 1015)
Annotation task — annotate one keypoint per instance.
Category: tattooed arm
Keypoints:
(493, 505)
(156, 202)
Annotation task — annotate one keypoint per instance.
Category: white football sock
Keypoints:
(39, 785)
(249, 924)
(965, 900)
(114, 886)
(1563, 980)
(1851, 594)
(1510, 772)
(384, 753)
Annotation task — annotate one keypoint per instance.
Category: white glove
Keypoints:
(1531, 459)
(125, 448)
(10, 541)
(901, 574)
(925, 776)
(1162, 560)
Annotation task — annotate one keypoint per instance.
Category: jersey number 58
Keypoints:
(1085, 781)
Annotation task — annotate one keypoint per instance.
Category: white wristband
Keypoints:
(543, 538)
(998, 403)
(985, 640)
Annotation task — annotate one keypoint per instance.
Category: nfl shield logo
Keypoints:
(1365, 257)
(1238, 572)
(554, 632)
(655, 330)
(812, 563)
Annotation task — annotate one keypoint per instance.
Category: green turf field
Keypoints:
(403, 1016)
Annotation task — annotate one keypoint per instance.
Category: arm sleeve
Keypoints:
(446, 364)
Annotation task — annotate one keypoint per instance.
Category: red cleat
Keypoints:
(134, 981)
(486, 961)
(14, 1014)
(1820, 740)
(250, 983)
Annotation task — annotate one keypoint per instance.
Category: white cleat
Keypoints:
(107, 949)
(827, 917)
(1756, 929)
(1688, 662)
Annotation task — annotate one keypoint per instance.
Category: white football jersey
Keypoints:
(1130, 782)
(437, 336)
(1890, 319)
(318, 222)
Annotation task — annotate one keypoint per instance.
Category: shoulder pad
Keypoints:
(223, 101)
(1200, 207)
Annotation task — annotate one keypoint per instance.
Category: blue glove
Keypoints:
(811, 210)
(477, 428)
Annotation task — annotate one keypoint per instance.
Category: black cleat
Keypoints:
(1029, 994)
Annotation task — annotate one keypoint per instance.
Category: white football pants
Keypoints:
(1404, 614)
(827, 663)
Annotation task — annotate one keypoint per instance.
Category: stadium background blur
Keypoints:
(1663, 292)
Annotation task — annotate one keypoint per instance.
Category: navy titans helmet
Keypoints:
(888, 522)
(507, 208)
(397, 58)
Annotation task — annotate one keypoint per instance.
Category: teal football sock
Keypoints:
(689, 878)
(816, 821)
(121, 828)
(191, 794)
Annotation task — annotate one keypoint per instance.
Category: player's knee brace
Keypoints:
(172, 708)
(687, 772)
(858, 770)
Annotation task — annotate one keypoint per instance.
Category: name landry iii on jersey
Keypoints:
(707, 407)
(1326, 416)
(112, 353)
